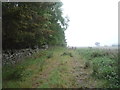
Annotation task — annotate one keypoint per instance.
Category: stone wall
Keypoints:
(14, 56)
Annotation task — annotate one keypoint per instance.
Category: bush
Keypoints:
(67, 53)
(105, 68)
(14, 73)
(50, 55)
(104, 64)
(96, 54)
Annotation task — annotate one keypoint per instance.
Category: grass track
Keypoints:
(52, 69)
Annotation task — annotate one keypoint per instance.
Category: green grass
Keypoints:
(23, 73)
(54, 80)
(51, 69)
(58, 77)
(14, 75)
(104, 64)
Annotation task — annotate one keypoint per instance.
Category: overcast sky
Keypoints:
(91, 21)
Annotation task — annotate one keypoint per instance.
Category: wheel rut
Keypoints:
(80, 73)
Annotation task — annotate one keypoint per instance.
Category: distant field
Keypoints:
(100, 47)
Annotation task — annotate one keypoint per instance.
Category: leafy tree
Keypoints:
(97, 43)
(29, 24)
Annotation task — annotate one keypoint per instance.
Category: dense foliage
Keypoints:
(32, 24)
(104, 64)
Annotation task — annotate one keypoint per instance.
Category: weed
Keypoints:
(87, 65)
(67, 53)
(50, 55)
(104, 64)
(13, 73)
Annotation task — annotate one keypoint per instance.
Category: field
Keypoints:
(60, 67)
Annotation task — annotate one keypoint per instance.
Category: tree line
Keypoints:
(30, 24)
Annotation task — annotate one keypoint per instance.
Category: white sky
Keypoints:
(91, 21)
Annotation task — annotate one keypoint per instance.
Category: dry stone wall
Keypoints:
(14, 56)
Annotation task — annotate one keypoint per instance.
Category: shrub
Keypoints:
(87, 65)
(96, 54)
(67, 53)
(105, 68)
(14, 73)
(50, 55)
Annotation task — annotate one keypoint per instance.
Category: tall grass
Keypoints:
(14, 75)
(22, 74)
(104, 64)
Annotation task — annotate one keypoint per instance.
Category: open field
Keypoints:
(60, 67)
(101, 47)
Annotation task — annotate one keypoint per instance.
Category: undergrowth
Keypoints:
(24, 69)
(104, 64)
